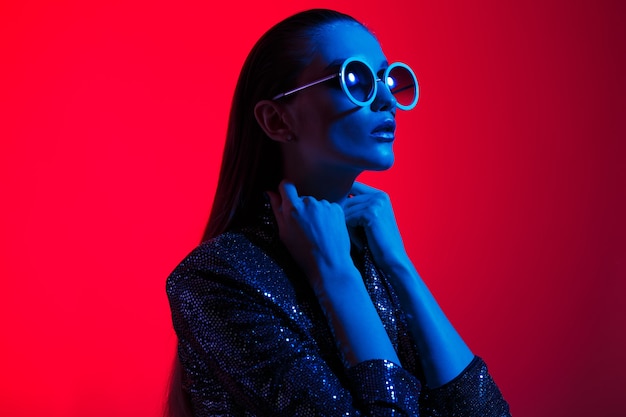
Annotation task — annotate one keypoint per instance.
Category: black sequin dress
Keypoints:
(253, 341)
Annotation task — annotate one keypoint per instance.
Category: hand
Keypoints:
(371, 209)
(443, 353)
(314, 231)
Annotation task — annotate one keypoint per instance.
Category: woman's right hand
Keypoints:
(314, 231)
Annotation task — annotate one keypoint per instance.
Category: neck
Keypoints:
(326, 184)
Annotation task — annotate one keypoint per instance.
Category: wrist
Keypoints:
(401, 270)
(337, 278)
(355, 323)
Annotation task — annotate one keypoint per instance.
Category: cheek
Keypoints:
(330, 117)
(349, 129)
(345, 120)
(312, 117)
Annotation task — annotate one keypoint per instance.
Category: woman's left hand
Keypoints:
(371, 209)
(444, 355)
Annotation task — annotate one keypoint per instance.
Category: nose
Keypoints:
(384, 100)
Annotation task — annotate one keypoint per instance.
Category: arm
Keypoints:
(316, 235)
(245, 343)
(458, 382)
(443, 353)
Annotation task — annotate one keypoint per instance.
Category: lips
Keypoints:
(386, 130)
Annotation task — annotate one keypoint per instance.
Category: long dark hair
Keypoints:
(252, 163)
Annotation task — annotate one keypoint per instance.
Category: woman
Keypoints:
(302, 300)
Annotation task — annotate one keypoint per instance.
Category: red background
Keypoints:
(509, 187)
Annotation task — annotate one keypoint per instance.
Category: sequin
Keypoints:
(253, 341)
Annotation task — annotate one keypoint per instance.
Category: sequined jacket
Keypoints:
(253, 341)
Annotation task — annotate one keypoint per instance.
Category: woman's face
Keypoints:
(331, 132)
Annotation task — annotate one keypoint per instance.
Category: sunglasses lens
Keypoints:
(359, 81)
(402, 84)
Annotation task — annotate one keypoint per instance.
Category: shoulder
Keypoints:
(226, 249)
(230, 260)
(224, 254)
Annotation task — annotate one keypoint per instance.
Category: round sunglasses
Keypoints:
(360, 83)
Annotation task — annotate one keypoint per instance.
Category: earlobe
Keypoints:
(270, 116)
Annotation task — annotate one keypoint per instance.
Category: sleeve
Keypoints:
(471, 394)
(242, 353)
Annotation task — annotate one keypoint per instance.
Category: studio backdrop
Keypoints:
(508, 186)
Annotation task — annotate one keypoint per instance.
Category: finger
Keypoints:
(288, 192)
(360, 188)
(357, 206)
(275, 202)
(354, 200)
(356, 215)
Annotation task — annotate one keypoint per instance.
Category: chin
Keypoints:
(382, 164)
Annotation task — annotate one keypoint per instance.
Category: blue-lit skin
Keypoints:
(327, 141)
(444, 354)
(333, 137)
(316, 235)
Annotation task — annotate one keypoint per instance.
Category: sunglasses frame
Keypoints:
(342, 81)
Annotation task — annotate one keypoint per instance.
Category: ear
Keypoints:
(273, 120)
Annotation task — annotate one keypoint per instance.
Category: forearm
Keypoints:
(443, 352)
(353, 318)
(242, 349)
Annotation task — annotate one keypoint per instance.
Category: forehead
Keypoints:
(343, 40)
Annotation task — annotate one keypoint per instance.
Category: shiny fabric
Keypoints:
(253, 341)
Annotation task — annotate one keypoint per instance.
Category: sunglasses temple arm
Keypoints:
(403, 88)
(311, 84)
